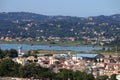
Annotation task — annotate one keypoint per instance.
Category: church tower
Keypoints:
(19, 51)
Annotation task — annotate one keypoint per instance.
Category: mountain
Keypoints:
(24, 25)
(21, 16)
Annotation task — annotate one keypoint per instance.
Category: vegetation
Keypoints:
(113, 77)
(12, 53)
(8, 68)
(112, 48)
(29, 25)
(55, 51)
(116, 42)
(57, 43)
(104, 77)
(20, 26)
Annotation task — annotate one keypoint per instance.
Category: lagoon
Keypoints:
(26, 47)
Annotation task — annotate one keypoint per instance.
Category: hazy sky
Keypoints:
(81, 8)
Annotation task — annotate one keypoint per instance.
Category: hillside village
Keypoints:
(21, 26)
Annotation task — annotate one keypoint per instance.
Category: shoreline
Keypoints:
(55, 45)
(49, 43)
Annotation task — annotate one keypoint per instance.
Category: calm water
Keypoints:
(45, 47)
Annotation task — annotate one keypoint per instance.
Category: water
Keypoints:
(46, 47)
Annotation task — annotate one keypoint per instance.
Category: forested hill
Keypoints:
(24, 25)
(33, 17)
(21, 16)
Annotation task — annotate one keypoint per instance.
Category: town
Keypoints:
(92, 63)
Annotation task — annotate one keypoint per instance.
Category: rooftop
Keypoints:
(89, 55)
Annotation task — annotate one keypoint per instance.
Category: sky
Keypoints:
(80, 8)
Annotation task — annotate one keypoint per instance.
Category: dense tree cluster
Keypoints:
(116, 42)
(12, 53)
(115, 45)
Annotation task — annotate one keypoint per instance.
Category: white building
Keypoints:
(20, 53)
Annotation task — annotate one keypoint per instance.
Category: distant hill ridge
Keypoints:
(21, 15)
(24, 24)
(34, 16)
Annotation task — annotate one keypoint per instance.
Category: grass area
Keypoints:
(55, 51)
(107, 52)
(57, 43)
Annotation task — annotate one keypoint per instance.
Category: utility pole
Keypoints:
(116, 46)
(116, 49)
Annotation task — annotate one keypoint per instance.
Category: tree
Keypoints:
(27, 70)
(63, 75)
(103, 49)
(118, 57)
(33, 70)
(77, 75)
(83, 76)
(13, 53)
(6, 52)
(9, 67)
(113, 77)
(2, 55)
(104, 77)
(90, 77)
(108, 49)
